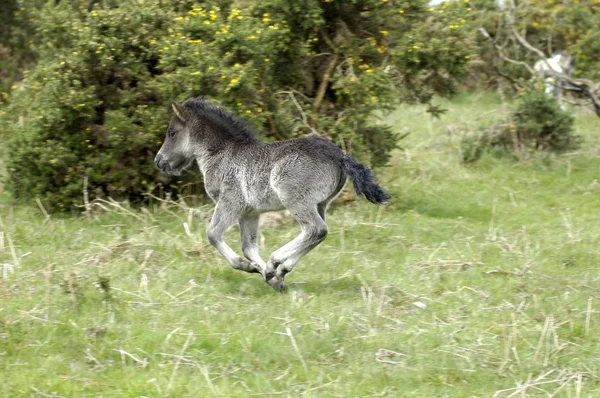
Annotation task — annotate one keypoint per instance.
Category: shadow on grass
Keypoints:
(242, 284)
(349, 285)
(252, 285)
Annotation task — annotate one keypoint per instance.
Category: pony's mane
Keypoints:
(226, 122)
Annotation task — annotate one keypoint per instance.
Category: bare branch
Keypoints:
(326, 74)
(584, 86)
(501, 53)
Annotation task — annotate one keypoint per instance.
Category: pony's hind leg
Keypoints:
(313, 232)
(323, 206)
(322, 209)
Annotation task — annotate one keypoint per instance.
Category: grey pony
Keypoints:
(246, 177)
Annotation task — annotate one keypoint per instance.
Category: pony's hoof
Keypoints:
(255, 268)
(269, 275)
(278, 284)
(248, 266)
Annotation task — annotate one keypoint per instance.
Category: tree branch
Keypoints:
(583, 85)
(501, 54)
(327, 74)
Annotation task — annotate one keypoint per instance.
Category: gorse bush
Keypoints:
(98, 101)
(15, 53)
(541, 124)
(537, 123)
(88, 109)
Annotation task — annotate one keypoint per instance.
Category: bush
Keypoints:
(15, 53)
(98, 101)
(541, 124)
(538, 123)
(87, 108)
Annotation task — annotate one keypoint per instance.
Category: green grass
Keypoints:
(473, 281)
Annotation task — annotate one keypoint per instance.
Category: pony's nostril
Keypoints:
(157, 160)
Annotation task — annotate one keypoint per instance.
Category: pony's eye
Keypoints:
(171, 133)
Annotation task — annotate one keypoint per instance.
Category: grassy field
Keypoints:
(475, 281)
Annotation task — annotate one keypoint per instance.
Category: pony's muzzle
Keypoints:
(160, 162)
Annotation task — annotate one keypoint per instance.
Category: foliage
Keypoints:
(540, 123)
(537, 123)
(97, 102)
(15, 39)
(85, 109)
(549, 25)
(8, 63)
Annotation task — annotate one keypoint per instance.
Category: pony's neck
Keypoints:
(215, 150)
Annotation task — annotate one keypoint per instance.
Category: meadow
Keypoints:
(475, 281)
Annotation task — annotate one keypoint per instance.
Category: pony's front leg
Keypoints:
(249, 236)
(224, 217)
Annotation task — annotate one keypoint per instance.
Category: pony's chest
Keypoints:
(213, 191)
(213, 186)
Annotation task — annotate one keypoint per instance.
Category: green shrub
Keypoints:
(97, 102)
(541, 124)
(485, 140)
(15, 52)
(87, 108)
(538, 123)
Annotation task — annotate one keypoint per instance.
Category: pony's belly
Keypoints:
(270, 203)
(262, 200)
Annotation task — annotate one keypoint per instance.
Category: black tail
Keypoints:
(364, 181)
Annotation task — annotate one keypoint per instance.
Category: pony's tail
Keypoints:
(364, 181)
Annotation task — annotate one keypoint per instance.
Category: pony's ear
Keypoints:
(180, 111)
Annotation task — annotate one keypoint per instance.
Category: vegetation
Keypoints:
(549, 25)
(96, 103)
(15, 51)
(476, 281)
(537, 124)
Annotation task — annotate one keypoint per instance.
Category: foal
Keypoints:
(246, 177)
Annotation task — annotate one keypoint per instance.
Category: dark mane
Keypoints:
(228, 123)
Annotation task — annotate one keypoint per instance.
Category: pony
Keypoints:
(246, 177)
